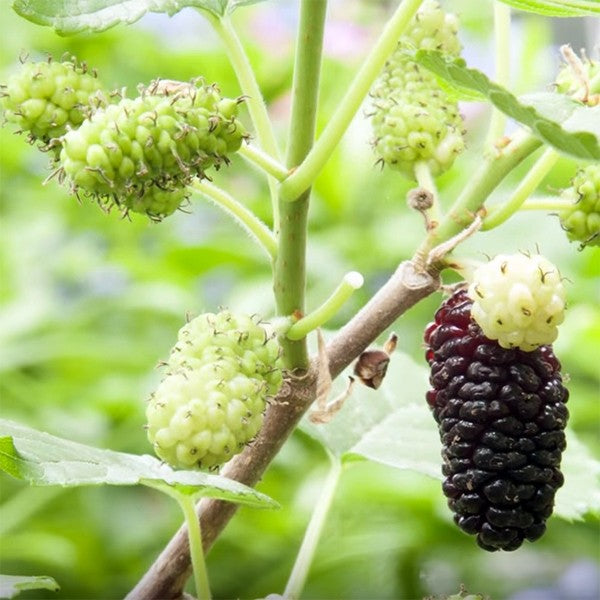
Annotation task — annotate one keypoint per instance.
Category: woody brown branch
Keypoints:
(166, 578)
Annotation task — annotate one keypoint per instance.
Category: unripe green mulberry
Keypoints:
(413, 119)
(46, 98)
(518, 300)
(582, 220)
(223, 370)
(165, 137)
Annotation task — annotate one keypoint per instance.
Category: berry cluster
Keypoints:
(582, 220)
(412, 117)
(45, 99)
(222, 371)
(160, 140)
(137, 154)
(501, 415)
(518, 300)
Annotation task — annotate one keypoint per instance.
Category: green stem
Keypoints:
(352, 281)
(249, 86)
(264, 161)
(426, 181)
(311, 166)
(290, 265)
(480, 186)
(550, 204)
(527, 186)
(246, 218)
(188, 506)
(502, 67)
(306, 554)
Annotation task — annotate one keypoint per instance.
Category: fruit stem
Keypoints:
(254, 101)
(264, 161)
(290, 265)
(479, 187)
(528, 184)
(352, 281)
(246, 218)
(425, 180)
(311, 166)
(306, 554)
(547, 204)
(502, 67)
(188, 506)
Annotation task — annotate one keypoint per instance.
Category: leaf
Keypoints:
(7, 451)
(551, 105)
(13, 585)
(43, 459)
(581, 492)
(557, 8)
(587, 117)
(393, 426)
(73, 16)
(582, 143)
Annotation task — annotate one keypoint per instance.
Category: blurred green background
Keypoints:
(91, 303)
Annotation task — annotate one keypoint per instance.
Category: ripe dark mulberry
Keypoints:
(501, 415)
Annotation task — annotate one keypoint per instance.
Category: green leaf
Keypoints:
(394, 426)
(551, 105)
(581, 492)
(7, 453)
(73, 16)
(557, 8)
(43, 459)
(581, 143)
(13, 585)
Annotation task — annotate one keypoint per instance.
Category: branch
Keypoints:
(167, 576)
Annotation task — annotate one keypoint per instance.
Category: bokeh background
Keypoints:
(91, 303)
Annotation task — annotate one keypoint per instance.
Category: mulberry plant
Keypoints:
(235, 386)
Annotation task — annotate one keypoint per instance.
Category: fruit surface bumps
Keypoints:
(45, 98)
(222, 372)
(518, 300)
(413, 119)
(582, 220)
(164, 138)
(501, 415)
(154, 202)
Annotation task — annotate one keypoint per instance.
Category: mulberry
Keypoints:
(582, 220)
(223, 369)
(164, 138)
(518, 300)
(413, 119)
(501, 415)
(46, 98)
